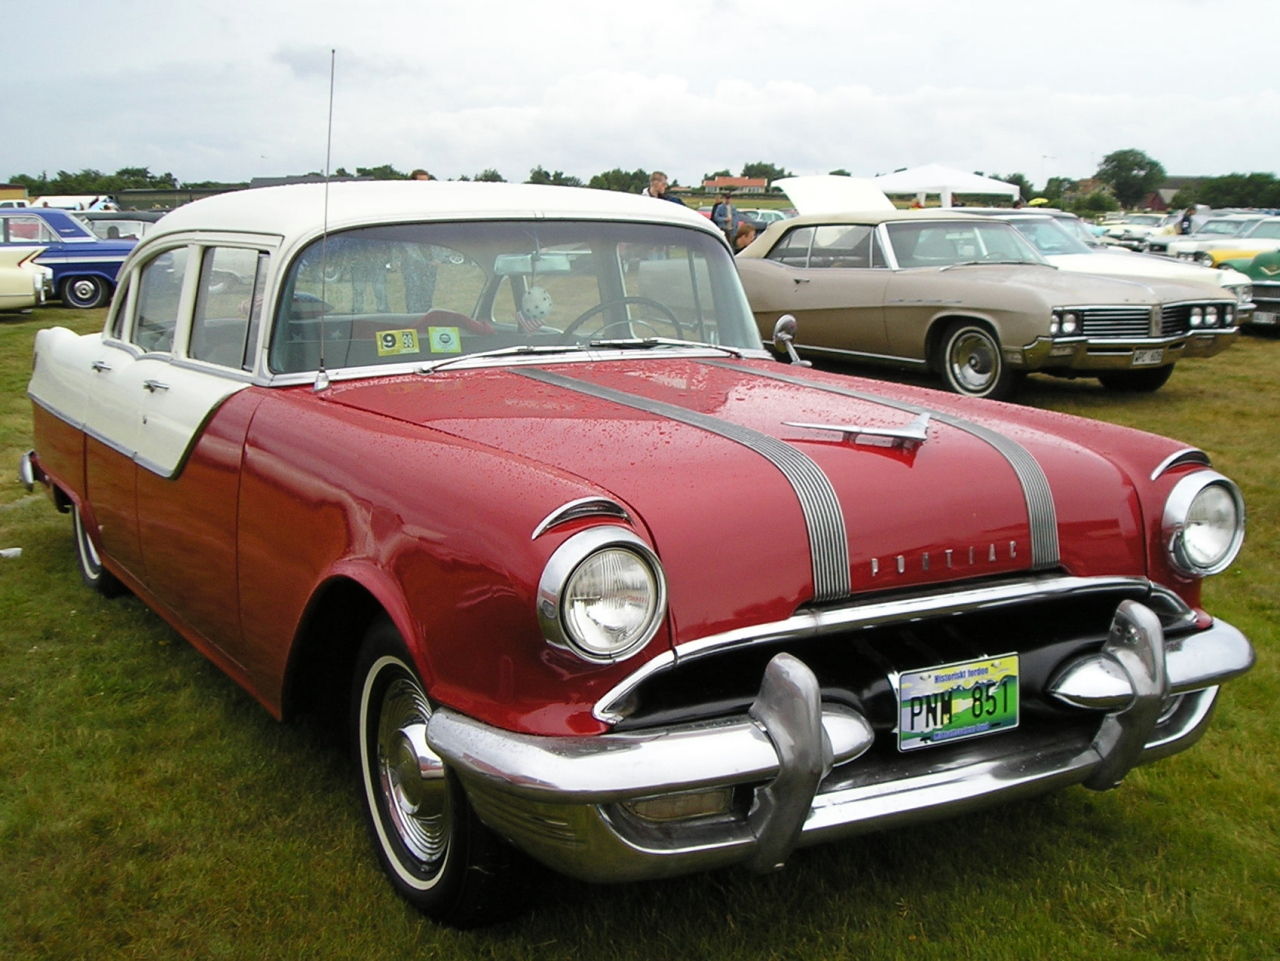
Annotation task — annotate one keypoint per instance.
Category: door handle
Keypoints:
(801, 280)
(154, 385)
(100, 366)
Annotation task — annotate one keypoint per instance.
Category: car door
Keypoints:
(191, 336)
(833, 281)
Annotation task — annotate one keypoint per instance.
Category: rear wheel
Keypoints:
(92, 572)
(85, 292)
(437, 854)
(972, 364)
(1137, 381)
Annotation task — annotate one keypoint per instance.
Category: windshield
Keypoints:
(1269, 229)
(1049, 237)
(947, 242)
(436, 292)
(1227, 228)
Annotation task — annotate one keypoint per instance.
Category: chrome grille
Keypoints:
(1116, 321)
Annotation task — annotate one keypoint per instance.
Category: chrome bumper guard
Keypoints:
(28, 471)
(566, 800)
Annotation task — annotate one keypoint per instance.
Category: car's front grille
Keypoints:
(854, 666)
(1116, 321)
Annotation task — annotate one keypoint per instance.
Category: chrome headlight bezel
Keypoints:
(1184, 533)
(571, 561)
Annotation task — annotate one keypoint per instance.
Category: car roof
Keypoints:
(308, 209)
(877, 217)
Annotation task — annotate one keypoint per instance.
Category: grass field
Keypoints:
(150, 810)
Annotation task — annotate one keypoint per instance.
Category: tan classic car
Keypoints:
(971, 299)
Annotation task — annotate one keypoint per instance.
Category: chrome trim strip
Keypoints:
(945, 601)
(1041, 513)
(1190, 455)
(582, 507)
(828, 542)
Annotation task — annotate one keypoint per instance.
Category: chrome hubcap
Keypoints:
(411, 776)
(973, 362)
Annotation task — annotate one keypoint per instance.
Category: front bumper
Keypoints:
(804, 770)
(1084, 354)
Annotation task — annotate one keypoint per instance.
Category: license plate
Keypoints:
(1148, 358)
(1264, 317)
(956, 701)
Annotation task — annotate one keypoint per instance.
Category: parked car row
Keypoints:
(504, 476)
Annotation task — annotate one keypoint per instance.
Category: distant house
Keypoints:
(737, 185)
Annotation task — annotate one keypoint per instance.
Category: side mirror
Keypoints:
(784, 333)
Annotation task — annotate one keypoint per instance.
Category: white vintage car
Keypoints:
(1260, 236)
(1060, 247)
(1213, 230)
(23, 282)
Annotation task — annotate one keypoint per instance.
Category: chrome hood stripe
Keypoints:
(1041, 514)
(828, 541)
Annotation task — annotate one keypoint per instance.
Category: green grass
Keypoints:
(149, 809)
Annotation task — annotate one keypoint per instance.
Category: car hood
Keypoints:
(1069, 287)
(1143, 266)
(756, 512)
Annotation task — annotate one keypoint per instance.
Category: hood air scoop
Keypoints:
(910, 436)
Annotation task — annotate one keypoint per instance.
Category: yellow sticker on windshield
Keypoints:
(392, 342)
(445, 340)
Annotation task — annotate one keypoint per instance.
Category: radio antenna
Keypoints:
(322, 376)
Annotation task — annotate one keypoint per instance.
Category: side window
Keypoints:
(159, 293)
(793, 249)
(842, 245)
(228, 309)
(26, 230)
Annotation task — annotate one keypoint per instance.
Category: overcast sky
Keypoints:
(231, 90)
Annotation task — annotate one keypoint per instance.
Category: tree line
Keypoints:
(1127, 177)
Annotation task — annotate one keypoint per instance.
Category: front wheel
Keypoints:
(972, 364)
(437, 854)
(1143, 381)
(85, 292)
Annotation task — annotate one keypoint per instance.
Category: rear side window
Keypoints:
(228, 308)
(159, 296)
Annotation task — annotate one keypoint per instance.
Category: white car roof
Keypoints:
(305, 209)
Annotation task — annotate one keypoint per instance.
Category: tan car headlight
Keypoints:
(1203, 523)
(602, 595)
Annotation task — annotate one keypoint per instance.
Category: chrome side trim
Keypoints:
(945, 601)
(1041, 513)
(824, 520)
(1189, 455)
(575, 510)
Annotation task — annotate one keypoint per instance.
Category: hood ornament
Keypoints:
(909, 436)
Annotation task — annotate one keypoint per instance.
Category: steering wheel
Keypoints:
(605, 305)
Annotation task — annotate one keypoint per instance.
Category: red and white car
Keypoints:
(503, 472)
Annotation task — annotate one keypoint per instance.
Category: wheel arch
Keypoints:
(937, 334)
(323, 654)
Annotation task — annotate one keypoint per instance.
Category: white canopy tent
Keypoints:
(944, 181)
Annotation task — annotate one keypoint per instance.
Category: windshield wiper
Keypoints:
(516, 350)
(644, 343)
(981, 263)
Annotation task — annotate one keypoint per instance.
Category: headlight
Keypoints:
(1203, 523)
(1211, 316)
(1064, 322)
(602, 595)
(1197, 316)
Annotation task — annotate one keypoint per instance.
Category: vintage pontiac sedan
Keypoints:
(503, 475)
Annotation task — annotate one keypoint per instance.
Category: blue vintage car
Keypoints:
(84, 265)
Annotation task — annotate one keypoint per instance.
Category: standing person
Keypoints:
(744, 235)
(658, 188)
(1187, 224)
(420, 174)
(723, 216)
